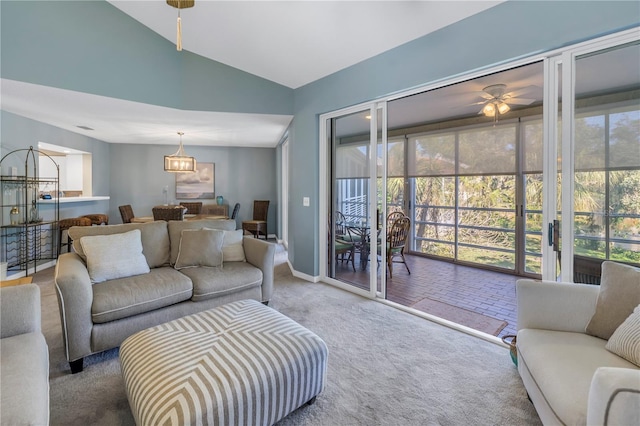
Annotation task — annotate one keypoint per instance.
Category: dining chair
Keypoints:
(98, 218)
(193, 207)
(169, 212)
(236, 209)
(64, 225)
(126, 212)
(258, 225)
(396, 239)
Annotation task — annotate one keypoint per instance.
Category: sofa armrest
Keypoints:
(75, 297)
(19, 310)
(261, 254)
(548, 305)
(614, 397)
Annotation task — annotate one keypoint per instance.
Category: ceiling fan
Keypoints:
(497, 99)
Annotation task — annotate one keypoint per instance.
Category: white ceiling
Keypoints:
(296, 42)
(289, 42)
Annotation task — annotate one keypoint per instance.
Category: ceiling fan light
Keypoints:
(489, 110)
(503, 108)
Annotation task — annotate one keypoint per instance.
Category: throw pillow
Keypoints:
(232, 248)
(114, 256)
(200, 247)
(625, 341)
(619, 295)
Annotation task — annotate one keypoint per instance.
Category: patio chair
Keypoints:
(342, 230)
(126, 212)
(258, 225)
(396, 239)
(342, 248)
(391, 217)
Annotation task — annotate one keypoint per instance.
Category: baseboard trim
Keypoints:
(302, 275)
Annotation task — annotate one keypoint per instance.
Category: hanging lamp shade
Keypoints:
(180, 4)
(179, 162)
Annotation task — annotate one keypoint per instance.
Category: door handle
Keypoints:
(554, 234)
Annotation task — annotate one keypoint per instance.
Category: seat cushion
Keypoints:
(214, 282)
(130, 296)
(562, 365)
(25, 380)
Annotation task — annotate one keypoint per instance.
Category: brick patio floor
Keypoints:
(481, 291)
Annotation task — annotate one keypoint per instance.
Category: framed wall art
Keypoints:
(197, 185)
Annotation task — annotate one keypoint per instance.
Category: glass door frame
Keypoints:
(326, 184)
(561, 68)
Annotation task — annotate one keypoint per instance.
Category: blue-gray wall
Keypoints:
(93, 47)
(136, 171)
(241, 176)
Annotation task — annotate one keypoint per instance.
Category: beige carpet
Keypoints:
(461, 316)
(386, 367)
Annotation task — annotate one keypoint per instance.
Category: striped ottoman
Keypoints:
(238, 364)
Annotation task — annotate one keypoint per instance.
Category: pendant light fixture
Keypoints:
(180, 4)
(179, 162)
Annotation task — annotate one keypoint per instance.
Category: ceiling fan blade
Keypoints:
(519, 101)
(527, 89)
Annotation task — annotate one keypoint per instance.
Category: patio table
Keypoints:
(360, 230)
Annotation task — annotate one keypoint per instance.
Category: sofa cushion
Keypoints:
(125, 297)
(200, 247)
(155, 239)
(232, 248)
(177, 226)
(562, 364)
(114, 256)
(209, 283)
(625, 341)
(25, 380)
(619, 295)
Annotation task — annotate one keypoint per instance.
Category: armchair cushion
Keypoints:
(625, 341)
(619, 295)
(114, 256)
(563, 364)
(200, 247)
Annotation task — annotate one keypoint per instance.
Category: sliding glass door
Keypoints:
(353, 194)
(597, 142)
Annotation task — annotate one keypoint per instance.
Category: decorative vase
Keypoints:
(219, 199)
(15, 216)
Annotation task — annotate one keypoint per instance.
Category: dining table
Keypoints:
(144, 219)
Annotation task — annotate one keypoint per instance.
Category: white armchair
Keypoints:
(569, 375)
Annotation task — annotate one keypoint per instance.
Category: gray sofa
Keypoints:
(24, 358)
(100, 316)
(570, 376)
